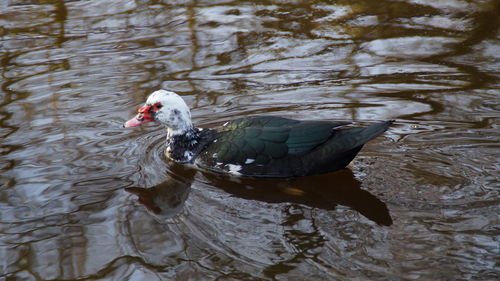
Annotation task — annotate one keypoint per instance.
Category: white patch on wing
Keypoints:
(249, 161)
(188, 155)
(225, 124)
(234, 169)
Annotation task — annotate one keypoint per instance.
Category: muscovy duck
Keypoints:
(257, 146)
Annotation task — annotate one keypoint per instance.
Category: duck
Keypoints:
(255, 146)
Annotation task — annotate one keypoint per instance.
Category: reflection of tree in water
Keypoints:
(303, 235)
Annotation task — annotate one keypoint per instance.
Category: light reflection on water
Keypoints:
(74, 71)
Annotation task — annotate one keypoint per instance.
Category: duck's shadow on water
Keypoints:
(324, 192)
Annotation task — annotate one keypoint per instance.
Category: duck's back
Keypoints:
(267, 146)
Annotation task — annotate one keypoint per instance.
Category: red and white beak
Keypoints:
(145, 115)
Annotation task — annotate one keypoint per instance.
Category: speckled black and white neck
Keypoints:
(184, 148)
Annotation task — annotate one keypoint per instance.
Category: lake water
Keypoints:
(81, 198)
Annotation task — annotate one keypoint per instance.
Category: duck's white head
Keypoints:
(167, 108)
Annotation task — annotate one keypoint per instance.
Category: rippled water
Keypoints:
(83, 199)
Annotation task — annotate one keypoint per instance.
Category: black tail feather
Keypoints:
(342, 148)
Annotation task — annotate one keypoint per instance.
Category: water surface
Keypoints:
(81, 198)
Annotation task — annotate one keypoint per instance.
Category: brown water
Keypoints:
(419, 203)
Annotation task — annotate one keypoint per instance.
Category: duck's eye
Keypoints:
(158, 105)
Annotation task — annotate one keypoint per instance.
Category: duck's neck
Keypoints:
(182, 145)
(180, 128)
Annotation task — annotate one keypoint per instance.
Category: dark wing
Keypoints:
(264, 145)
(341, 148)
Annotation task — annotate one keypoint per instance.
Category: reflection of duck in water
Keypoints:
(167, 198)
(324, 192)
(259, 146)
